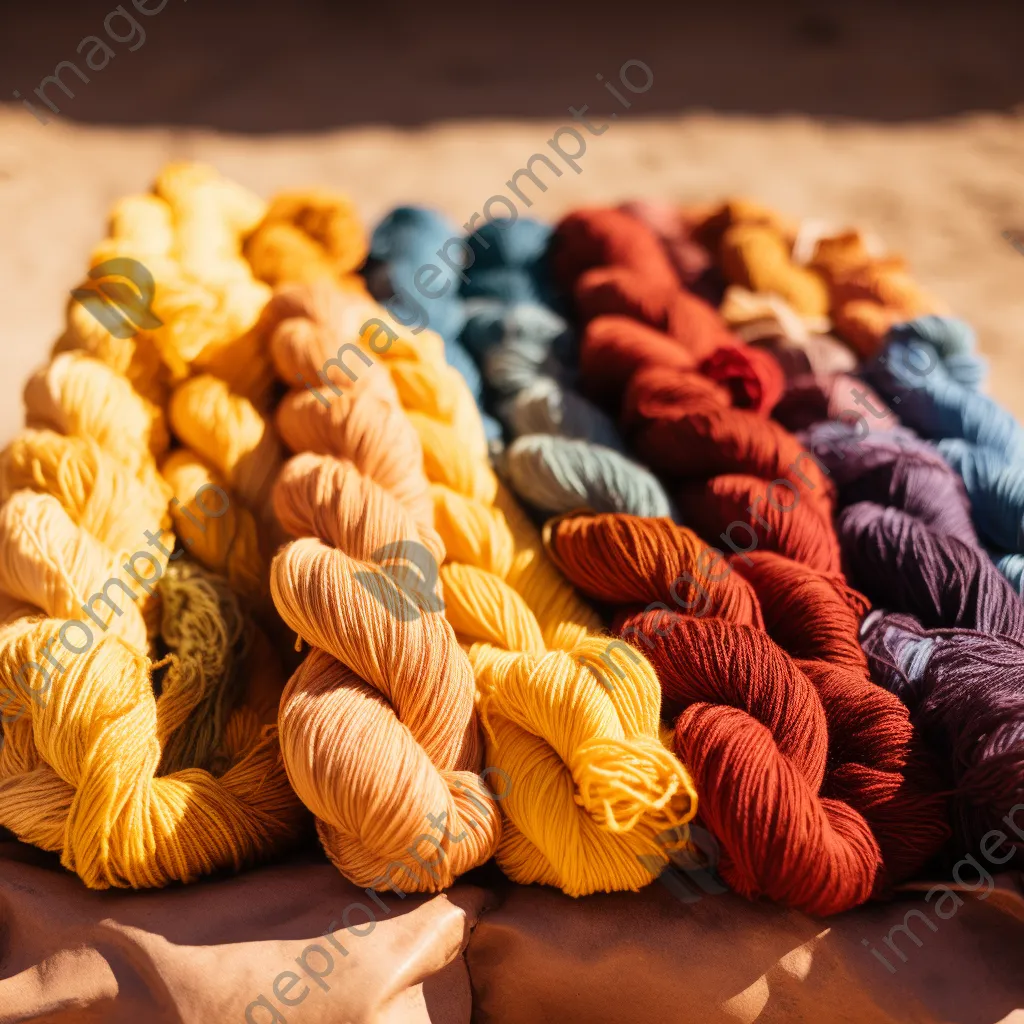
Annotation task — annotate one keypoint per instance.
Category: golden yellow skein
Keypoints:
(99, 493)
(83, 770)
(132, 788)
(228, 543)
(230, 434)
(309, 236)
(188, 234)
(96, 796)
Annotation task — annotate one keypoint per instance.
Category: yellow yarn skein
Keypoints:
(309, 236)
(572, 717)
(131, 788)
(228, 432)
(206, 362)
(188, 234)
(83, 771)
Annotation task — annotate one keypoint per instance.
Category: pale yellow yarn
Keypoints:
(82, 397)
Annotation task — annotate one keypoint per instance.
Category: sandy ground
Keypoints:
(902, 118)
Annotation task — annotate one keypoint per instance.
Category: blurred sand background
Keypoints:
(903, 118)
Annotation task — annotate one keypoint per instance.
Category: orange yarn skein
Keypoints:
(735, 469)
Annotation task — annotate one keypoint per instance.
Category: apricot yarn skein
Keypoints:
(377, 725)
(838, 275)
(571, 718)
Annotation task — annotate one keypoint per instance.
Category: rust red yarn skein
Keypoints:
(646, 358)
(806, 770)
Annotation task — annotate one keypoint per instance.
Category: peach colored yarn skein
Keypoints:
(377, 725)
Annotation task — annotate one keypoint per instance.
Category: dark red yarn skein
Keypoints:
(645, 355)
(613, 265)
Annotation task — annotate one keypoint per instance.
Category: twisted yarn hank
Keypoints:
(576, 459)
(204, 364)
(744, 711)
(753, 247)
(499, 326)
(378, 728)
(931, 375)
(131, 788)
(308, 236)
(572, 721)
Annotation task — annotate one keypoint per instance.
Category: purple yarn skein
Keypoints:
(947, 635)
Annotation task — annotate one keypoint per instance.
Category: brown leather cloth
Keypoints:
(494, 953)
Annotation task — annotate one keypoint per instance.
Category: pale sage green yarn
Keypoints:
(558, 474)
(545, 407)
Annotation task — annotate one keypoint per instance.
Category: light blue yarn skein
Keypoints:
(930, 375)
(924, 365)
(995, 487)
